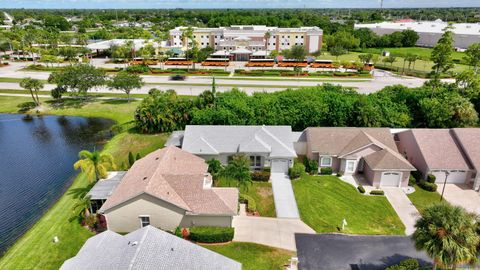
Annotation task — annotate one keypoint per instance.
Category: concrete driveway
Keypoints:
(461, 195)
(275, 232)
(284, 198)
(405, 209)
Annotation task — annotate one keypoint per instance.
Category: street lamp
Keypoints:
(444, 184)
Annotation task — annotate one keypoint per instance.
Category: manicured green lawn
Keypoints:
(422, 52)
(422, 198)
(324, 201)
(254, 256)
(261, 192)
(36, 250)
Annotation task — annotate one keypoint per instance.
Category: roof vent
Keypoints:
(171, 249)
(157, 158)
(145, 178)
(134, 243)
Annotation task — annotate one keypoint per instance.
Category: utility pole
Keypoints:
(381, 4)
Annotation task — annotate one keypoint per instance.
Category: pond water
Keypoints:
(36, 165)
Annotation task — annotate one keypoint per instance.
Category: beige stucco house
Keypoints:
(370, 152)
(166, 189)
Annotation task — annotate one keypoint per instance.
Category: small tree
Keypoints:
(365, 58)
(214, 167)
(32, 85)
(238, 168)
(391, 59)
(448, 235)
(126, 82)
(473, 56)
(442, 54)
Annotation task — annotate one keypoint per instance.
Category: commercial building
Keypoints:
(240, 42)
(465, 34)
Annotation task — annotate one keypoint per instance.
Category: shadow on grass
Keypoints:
(63, 103)
(115, 101)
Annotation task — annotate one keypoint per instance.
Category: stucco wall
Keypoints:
(125, 217)
(407, 146)
(374, 177)
(219, 221)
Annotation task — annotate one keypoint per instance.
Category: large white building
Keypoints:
(239, 42)
(465, 34)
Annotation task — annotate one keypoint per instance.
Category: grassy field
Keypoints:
(254, 256)
(35, 250)
(422, 198)
(422, 52)
(324, 201)
(261, 192)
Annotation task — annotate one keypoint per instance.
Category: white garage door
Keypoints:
(390, 179)
(455, 176)
(279, 166)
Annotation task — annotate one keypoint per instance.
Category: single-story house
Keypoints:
(451, 155)
(360, 252)
(103, 189)
(147, 248)
(169, 188)
(350, 151)
(266, 146)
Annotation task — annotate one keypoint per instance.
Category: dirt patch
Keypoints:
(264, 192)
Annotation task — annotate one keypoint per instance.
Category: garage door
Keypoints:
(390, 179)
(455, 176)
(279, 166)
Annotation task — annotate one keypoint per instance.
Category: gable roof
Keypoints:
(386, 159)
(439, 149)
(337, 141)
(177, 177)
(146, 248)
(469, 140)
(277, 141)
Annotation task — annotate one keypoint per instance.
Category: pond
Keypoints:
(36, 165)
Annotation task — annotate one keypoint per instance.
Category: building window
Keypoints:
(255, 161)
(296, 36)
(350, 166)
(144, 221)
(326, 161)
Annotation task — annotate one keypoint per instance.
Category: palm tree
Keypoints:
(267, 39)
(32, 85)
(81, 208)
(94, 164)
(448, 235)
(239, 169)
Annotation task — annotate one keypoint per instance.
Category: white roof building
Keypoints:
(138, 44)
(430, 32)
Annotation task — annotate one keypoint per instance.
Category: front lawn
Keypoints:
(261, 192)
(323, 202)
(423, 199)
(254, 256)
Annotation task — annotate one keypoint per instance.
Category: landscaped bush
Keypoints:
(412, 181)
(138, 69)
(428, 186)
(431, 178)
(407, 264)
(249, 201)
(311, 166)
(296, 171)
(377, 192)
(417, 175)
(326, 171)
(211, 234)
(178, 232)
(261, 176)
(361, 189)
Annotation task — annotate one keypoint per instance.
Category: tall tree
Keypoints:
(473, 56)
(78, 79)
(32, 85)
(442, 54)
(126, 82)
(447, 234)
(94, 164)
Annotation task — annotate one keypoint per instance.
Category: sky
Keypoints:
(162, 4)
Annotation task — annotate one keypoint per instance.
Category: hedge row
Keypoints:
(377, 192)
(261, 176)
(432, 187)
(211, 234)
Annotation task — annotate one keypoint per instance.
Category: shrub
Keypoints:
(431, 178)
(407, 264)
(296, 171)
(138, 69)
(214, 166)
(417, 175)
(211, 234)
(178, 232)
(428, 186)
(339, 174)
(361, 189)
(412, 181)
(377, 192)
(261, 176)
(251, 204)
(326, 171)
(311, 166)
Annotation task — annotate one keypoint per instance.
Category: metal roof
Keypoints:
(104, 188)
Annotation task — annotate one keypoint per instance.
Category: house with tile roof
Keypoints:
(169, 188)
(369, 152)
(451, 155)
(147, 248)
(266, 146)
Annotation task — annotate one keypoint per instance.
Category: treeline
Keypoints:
(436, 106)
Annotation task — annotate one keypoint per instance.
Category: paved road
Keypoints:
(405, 209)
(285, 203)
(194, 85)
(274, 232)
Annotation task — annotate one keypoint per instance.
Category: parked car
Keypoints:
(177, 78)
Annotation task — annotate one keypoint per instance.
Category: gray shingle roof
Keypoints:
(104, 188)
(146, 248)
(277, 141)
